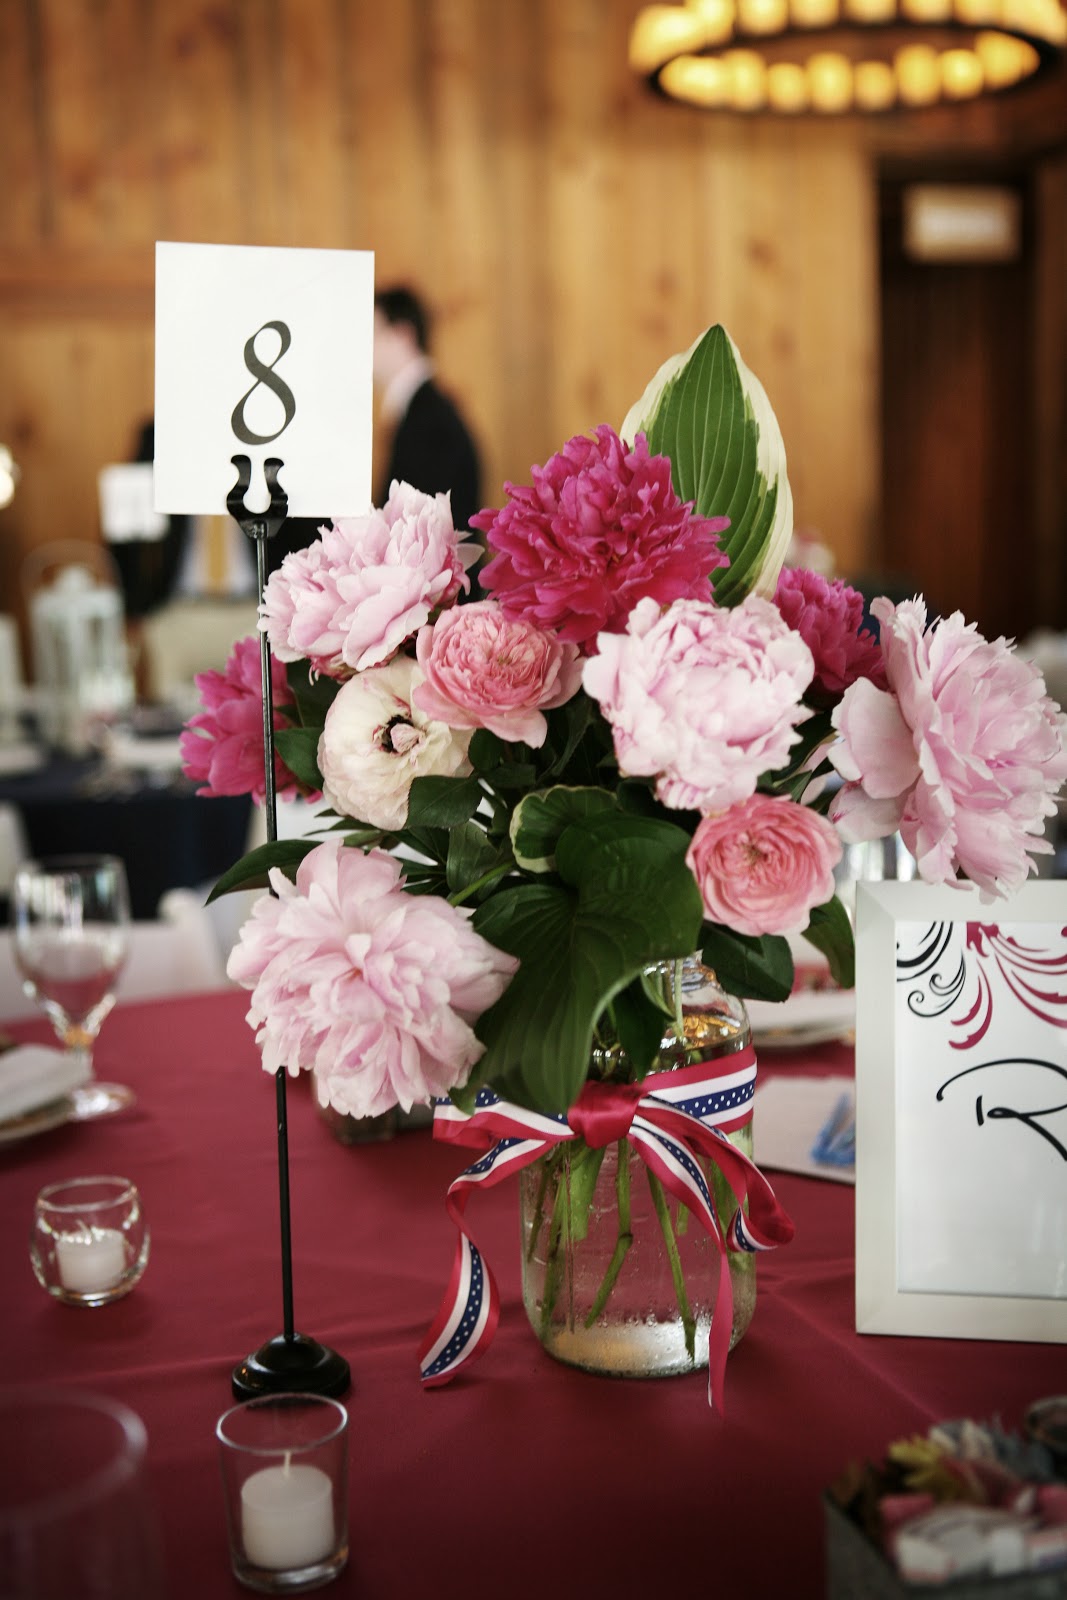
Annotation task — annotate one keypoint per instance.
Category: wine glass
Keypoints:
(71, 917)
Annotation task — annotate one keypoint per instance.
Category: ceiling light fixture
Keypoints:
(831, 56)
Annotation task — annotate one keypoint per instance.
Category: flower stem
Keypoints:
(539, 1210)
(624, 1239)
(670, 1242)
(558, 1238)
(491, 876)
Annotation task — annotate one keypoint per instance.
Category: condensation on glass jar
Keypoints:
(618, 1277)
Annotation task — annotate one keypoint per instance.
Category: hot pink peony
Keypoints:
(222, 746)
(764, 864)
(370, 988)
(366, 585)
(486, 670)
(376, 741)
(964, 753)
(600, 528)
(828, 615)
(703, 698)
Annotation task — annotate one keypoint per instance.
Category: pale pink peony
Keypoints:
(762, 865)
(600, 528)
(828, 615)
(486, 670)
(375, 741)
(222, 746)
(366, 586)
(704, 698)
(963, 755)
(371, 989)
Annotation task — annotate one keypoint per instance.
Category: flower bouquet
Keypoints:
(611, 756)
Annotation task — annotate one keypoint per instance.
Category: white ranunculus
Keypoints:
(375, 741)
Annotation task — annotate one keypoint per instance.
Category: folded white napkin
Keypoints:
(33, 1074)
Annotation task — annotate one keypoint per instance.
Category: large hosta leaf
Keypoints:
(625, 899)
(539, 819)
(710, 414)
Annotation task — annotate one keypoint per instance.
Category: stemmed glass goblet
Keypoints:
(72, 917)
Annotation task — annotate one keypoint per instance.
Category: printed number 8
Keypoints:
(265, 374)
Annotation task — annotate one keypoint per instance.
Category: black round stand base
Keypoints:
(292, 1364)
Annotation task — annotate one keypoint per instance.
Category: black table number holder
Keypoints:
(289, 1361)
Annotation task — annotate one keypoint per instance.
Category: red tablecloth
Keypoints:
(525, 1477)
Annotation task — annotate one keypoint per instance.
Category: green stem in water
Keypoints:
(539, 1211)
(624, 1238)
(659, 1200)
(558, 1237)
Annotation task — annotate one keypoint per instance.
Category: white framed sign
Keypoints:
(264, 352)
(961, 1112)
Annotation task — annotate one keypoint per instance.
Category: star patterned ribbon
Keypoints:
(670, 1119)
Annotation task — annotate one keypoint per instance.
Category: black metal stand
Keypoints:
(290, 1361)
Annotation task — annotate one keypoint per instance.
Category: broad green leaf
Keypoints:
(752, 968)
(471, 855)
(640, 1025)
(314, 695)
(251, 871)
(442, 802)
(539, 819)
(299, 749)
(830, 931)
(710, 414)
(626, 899)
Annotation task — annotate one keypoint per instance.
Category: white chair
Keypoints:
(166, 958)
(220, 922)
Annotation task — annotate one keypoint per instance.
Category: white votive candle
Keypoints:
(287, 1517)
(91, 1261)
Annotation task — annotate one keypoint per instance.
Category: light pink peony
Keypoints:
(222, 746)
(828, 615)
(486, 670)
(366, 586)
(964, 754)
(703, 698)
(600, 528)
(764, 864)
(370, 988)
(375, 741)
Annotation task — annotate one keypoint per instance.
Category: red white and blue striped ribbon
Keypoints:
(670, 1119)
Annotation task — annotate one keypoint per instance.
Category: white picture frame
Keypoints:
(961, 1112)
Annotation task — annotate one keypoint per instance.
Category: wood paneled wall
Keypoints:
(570, 230)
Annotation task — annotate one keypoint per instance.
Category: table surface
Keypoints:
(525, 1476)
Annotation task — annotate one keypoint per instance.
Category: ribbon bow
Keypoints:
(670, 1119)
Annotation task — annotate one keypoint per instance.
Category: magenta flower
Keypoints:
(370, 988)
(762, 865)
(703, 698)
(964, 753)
(366, 586)
(486, 670)
(828, 615)
(222, 746)
(600, 528)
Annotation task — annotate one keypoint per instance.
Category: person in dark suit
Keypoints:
(431, 446)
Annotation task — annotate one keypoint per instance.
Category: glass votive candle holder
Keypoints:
(89, 1243)
(285, 1478)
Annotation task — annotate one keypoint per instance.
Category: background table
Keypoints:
(525, 1477)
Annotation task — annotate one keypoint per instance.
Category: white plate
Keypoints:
(39, 1120)
(808, 1017)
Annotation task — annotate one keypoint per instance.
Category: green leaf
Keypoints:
(640, 1025)
(471, 855)
(299, 749)
(442, 802)
(753, 968)
(626, 899)
(313, 695)
(539, 819)
(708, 413)
(830, 931)
(251, 871)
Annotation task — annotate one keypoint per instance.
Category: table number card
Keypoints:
(263, 352)
(961, 1086)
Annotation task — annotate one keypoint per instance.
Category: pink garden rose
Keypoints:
(375, 741)
(600, 528)
(222, 746)
(702, 697)
(762, 865)
(963, 754)
(366, 585)
(370, 988)
(486, 670)
(828, 615)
